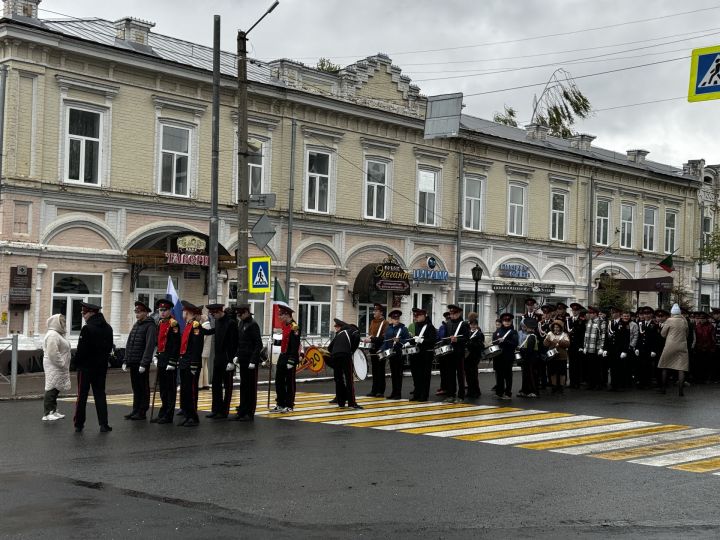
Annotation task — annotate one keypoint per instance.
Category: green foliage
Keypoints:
(609, 294)
(711, 250)
(508, 117)
(324, 64)
(560, 103)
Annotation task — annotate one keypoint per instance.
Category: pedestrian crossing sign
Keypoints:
(259, 275)
(705, 74)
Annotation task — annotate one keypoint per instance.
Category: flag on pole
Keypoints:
(278, 296)
(172, 295)
(667, 264)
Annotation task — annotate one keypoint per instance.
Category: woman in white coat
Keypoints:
(56, 363)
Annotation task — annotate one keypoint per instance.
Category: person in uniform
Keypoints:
(458, 332)
(507, 338)
(376, 335)
(91, 361)
(543, 329)
(704, 347)
(425, 338)
(575, 325)
(287, 361)
(191, 347)
(441, 335)
(529, 352)
(646, 351)
(168, 353)
(593, 347)
(715, 366)
(341, 350)
(247, 359)
(475, 348)
(395, 337)
(139, 351)
(225, 345)
(530, 307)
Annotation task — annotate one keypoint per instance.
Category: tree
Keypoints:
(710, 253)
(508, 117)
(608, 294)
(324, 64)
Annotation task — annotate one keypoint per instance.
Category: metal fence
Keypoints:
(12, 344)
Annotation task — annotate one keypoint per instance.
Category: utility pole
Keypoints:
(213, 267)
(700, 261)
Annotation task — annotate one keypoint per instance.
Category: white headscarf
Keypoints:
(675, 310)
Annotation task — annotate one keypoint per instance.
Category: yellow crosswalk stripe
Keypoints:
(439, 416)
(331, 411)
(655, 449)
(539, 429)
(395, 411)
(600, 437)
(704, 465)
(480, 423)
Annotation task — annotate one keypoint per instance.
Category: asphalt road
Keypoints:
(281, 479)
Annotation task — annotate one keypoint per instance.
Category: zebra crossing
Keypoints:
(654, 444)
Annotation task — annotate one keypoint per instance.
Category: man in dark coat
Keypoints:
(191, 347)
(287, 361)
(425, 339)
(341, 350)
(91, 360)
(226, 341)
(247, 358)
(139, 351)
(168, 352)
(458, 332)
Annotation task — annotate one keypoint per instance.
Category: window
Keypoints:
(70, 291)
(706, 229)
(151, 288)
(602, 223)
(83, 144)
(427, 194)
(314, 310)
(256, 301)
(705, 302)
(473, 203)
(318, 181)
(649, 226)
(557, 217)
(375, 191)
(626, 226)
(516, 210)
(670, 231)
(21, 217)
(466, 301)
(256, 165)
(175, 161)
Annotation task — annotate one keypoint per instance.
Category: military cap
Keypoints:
(530, 301)
(284, 309)
(163, 303)
(530, 323)
(453, 308)
(715, 310)
(142, 305)
(506, 317)
(561, 305)
(547, 307)
(446, 315)
(86, 306)
(379, 307)
(242, 309)
(419, 311)
(339, 323)
(191, 308)
(593, 309)
(662, 313)
(395, 314)
(575, 306)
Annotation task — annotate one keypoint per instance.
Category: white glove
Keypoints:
(251, 366)
(206, 325)
(124, 366)
(601, 352)
(193, 372)
(623, 355)
(230, 367)
(637, 352)
(653, 355)
(155, 360)
(581, 351)
(235, 361)
(170, 368)
(419, 340)
(604, 353)
(141, 369)
(406, 345)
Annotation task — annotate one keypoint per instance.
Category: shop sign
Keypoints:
(421, 274)
(189, 259)
(20, 285)
(513, 271)
(514, 287)
(390, 276)
(191, 244)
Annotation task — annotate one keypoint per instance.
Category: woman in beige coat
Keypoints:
(675, 354)
(56, 364)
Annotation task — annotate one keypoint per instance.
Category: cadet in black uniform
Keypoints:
(225, 346)
(248, 359)
(139, 351)
(287, 362)
(475, 347)
(168, 352)
(191, 346)
(458, 332)
(425, 339)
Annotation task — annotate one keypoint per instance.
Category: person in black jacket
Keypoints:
(475, 347)
(226, 342)
(287, 361)
(91, 360)
(247, 358)
(139, 351)
(458, 332)
(341, 351)
(507, 338)
(425, 339)
(168, 352)
(191, 347)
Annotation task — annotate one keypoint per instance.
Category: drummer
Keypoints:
(396, 336)
(421, 362)
(507, 338)
(375, 337)
(442, 334)
(475, 347)
(341, 348)
(458, 332)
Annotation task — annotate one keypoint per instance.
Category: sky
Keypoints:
(486, 48)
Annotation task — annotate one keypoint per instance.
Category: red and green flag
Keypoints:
(667, 264)
(278, 296)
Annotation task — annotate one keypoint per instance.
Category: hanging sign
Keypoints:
(390, 276)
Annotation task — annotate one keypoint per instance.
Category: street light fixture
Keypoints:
(243, 176)
(477, 273)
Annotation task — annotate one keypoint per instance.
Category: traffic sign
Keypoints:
(262, 232)
(705, 74)
(259, 274)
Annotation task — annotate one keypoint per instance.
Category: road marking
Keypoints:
(637, 441)
(549, 445)
(451, 421)
(395, 411)
(331, 407)
(544, 426)
(658, 448)
(679, 457)
(508, 421)
(337, 412)
(706, 465)
(619, 426)
(383, 417)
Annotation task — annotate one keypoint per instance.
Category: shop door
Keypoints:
(424, 300)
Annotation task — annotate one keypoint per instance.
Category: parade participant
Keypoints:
(611, 348)
(190, 364)
(458, 332)
(646, 351)
(543, 329)
(247, 358)
(139, 352)
(558, 342)
(287, 361)
(425, 339)
(376, 335)
(396, 335)
(91, 361)
(475, 348)
(56, 365)
(442, 334)
(624, 342)
(561, 314)
(168, 353)
(530, 307)
(675, 353)
(575, 325)
(704, 347)
(593, 347)
(529, 352)
(225, 349)
(507, 338)
(341, 348)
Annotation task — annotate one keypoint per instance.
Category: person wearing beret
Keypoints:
(396, 336)
(376, 335)
(287, 361)
(247, 358)
(139, 352)
(507, 338)
(225, 343)
(593, 348)
(191, 347)
(168, 353)
(342, 346)
(421, 363)
(91, 360)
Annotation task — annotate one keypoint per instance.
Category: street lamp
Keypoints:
(477, 273)
(243, 176)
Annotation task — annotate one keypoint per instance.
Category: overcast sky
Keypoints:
(468, 31)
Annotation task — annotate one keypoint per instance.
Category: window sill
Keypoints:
(379, 220)
(81, 183)
(309, 211)
(174, 196)
(469, 229)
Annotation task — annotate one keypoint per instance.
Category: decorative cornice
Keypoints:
(106, 90)
(163, 102)
(480, 163)
(378, 144)
(312, 131)
(514, 170)
(426, 153)
(560, 179)
(260, 121)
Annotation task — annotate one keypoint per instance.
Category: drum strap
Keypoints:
(422, 331)
(380, 329)
(473, 334)
(457, 330)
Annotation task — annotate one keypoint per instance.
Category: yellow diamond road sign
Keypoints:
(705, 74)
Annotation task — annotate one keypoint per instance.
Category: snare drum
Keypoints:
(364, 345)
(551, 353)
(518, 356)
(492, 351)
(411, 350)
(443, 350)
(387, 353)
(360, 367)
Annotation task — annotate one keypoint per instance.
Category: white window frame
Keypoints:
(707, 228)
(314, 305)
(555, 215)
(330, 179)
(650, 240)
(189, 155)
(436, 195)
(626, 227)
(671, 231)
(266, 165)
(70, 297)
(366, 187)
(103, 143)
(602, 223)
(523, 213)
(476, 204)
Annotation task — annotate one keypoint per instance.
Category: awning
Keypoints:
(659, 284)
